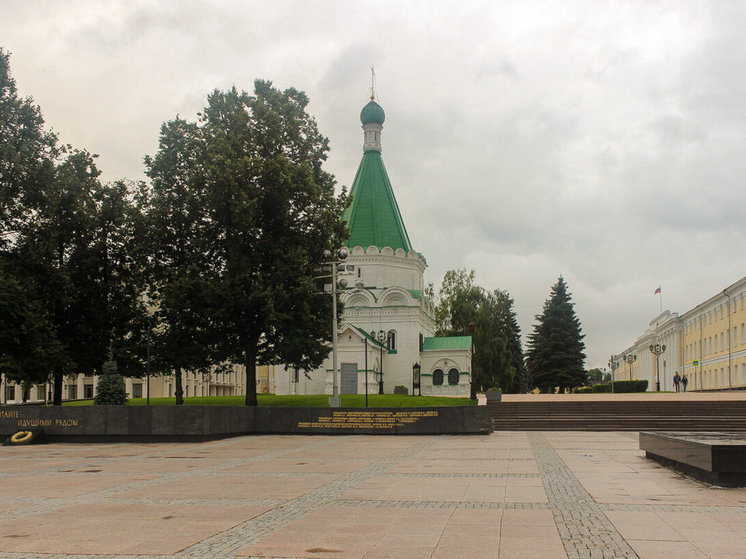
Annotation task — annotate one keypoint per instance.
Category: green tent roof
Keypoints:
(453, 342)
(373, 216)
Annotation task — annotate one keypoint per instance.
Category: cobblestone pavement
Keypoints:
(510, 495)
(582, 525)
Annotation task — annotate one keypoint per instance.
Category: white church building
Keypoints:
(387, 334)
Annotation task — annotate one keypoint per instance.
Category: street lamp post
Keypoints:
(342, 254)
(613, 365)
(150, 312)
(365, 341)
(629, 359)
(657, 350)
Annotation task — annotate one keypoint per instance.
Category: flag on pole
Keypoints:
(657, 291)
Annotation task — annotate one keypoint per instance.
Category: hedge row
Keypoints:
(619, 386)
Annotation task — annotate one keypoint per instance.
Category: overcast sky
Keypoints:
(603, 141)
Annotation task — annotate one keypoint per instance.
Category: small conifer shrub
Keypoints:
(110, 389)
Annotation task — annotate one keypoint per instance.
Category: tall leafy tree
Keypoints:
(67, 272)
(56, 244)
(183, 272)
(259, 210)
(459, 299)
(465, 308)
(28, 344)
(29, 348)
(555, 356)
(46, 212)
(118, 265)
(27, 156)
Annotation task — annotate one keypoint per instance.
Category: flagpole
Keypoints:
(659, 291)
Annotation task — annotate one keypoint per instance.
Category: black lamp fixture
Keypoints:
(657, 350)
(629, 359)
(416, 379)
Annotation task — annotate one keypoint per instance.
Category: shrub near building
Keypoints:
(110, 390)
(622, 386)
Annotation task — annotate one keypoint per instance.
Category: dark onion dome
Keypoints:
(372, 112)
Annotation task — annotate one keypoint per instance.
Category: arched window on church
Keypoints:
(453, 376)
(392, 340)
(438, 377)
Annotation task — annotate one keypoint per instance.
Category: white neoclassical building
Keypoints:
(707, 344)
(387, 338)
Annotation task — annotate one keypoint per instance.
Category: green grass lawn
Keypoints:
(313, 401)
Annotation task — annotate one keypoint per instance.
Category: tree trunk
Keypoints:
(179, 388)
(57, 398)
(250, 364)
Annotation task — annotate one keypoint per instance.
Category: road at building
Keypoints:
(509, 495)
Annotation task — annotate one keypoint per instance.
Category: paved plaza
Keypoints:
(513, 495)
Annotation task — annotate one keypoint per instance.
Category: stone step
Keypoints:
(612, 415)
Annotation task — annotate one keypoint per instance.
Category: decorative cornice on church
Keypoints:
(388, 255)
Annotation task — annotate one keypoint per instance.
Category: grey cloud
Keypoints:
(523, 139)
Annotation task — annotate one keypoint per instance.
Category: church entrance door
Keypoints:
(349, 378)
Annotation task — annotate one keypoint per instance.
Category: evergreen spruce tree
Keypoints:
(555, 355)
(110, 390)
(520, 382)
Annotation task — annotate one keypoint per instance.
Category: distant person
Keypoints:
(684, 382)
(676, 381)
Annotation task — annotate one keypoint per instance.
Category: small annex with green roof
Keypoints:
(446, 365)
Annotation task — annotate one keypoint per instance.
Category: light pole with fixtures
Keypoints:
(613, 365)
(365, 342)
(657, 350)
(629, 359)
(342, 254)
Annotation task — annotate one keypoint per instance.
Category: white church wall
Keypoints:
(387, 268)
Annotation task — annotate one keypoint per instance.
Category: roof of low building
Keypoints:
(365, 334)
(451, 342)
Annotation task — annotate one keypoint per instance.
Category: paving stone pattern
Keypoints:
(362, 467)
(450, 505)
(227, 543)
(42, 505)
(585, 530)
